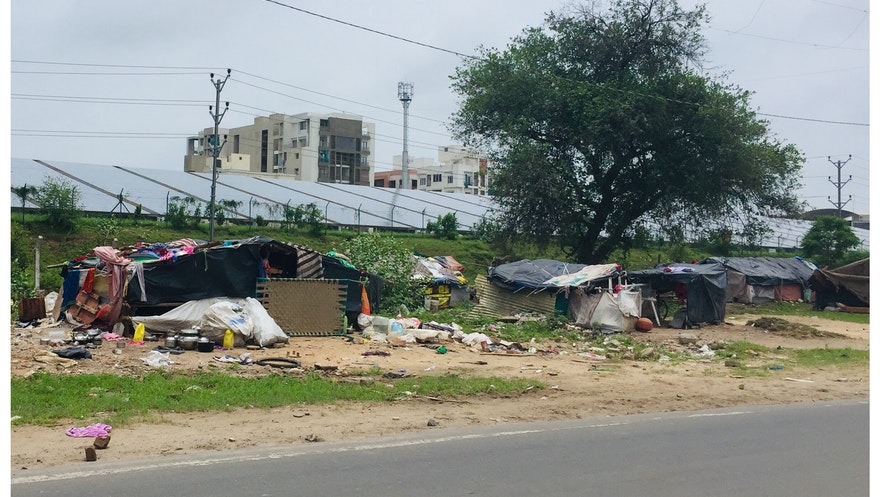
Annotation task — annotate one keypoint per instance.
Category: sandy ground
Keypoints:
(577, 386)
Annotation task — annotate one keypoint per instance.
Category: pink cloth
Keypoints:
(117, 264)
(95, 430)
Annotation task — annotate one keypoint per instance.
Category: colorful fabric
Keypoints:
(95, 430)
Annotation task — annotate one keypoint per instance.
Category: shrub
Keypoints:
(59, 201)
(385, 256)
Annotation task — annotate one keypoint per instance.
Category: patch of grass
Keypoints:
(45, 399)
(805, 309)
(813, 358)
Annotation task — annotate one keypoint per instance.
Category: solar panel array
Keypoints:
(120, 189)
(103, 186)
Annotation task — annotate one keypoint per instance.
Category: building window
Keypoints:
(304, 125)
(392, 183)
(437, 178)
(324, 123)
(303, 142)
(423, 180)
(449, 179)
(236, 141)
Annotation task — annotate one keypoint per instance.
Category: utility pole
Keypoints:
(839, 184)
(216, 146)
(405, 94)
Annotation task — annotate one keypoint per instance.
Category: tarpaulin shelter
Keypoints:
(848, 285)
(752, 279)
(705, 284)
(529, 274)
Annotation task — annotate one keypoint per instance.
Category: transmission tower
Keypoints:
(216, 145)
(839, 184)
(405, 94)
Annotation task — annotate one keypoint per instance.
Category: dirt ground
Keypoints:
(579, 384)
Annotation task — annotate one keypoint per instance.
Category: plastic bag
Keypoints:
(157, 359)
(226, 315)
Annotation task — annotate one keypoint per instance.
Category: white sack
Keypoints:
(265, 330)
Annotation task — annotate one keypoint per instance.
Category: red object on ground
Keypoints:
(644, 324)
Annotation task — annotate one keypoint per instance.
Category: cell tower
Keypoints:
(405, 94)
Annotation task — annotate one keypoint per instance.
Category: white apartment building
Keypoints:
(458, 170)
(327, 148)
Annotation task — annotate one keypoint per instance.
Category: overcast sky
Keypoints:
(124, 83)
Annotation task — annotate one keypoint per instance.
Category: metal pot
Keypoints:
(189, 332)
(80, 337)
(205, 345)
(188, 342)
(171, 342)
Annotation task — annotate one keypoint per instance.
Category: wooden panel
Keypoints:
(496, 302)
(305, 307)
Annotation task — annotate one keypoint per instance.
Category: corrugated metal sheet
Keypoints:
(496, 302)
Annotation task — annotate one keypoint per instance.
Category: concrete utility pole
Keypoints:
(405, 94)
(216, 145)
(839, 165)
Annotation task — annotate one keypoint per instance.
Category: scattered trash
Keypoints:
(73, 353)
(157, 359)
(376, 352)
(705, 351)
(441, 349)
(592, 355)
(799, 380)
(775, 367)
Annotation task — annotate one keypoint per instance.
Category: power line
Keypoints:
(375, 31)
(630, 92)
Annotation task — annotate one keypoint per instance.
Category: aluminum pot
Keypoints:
(188, 342)
(171, 342)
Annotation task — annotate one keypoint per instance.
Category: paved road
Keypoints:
(798, 450)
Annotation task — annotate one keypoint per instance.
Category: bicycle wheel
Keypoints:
(663, 308)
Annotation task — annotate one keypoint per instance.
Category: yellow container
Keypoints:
(228, 339)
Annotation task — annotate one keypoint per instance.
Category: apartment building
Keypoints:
(326, 148)
(457, 170)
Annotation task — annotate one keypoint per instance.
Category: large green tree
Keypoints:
(601, 121)
(828, 241)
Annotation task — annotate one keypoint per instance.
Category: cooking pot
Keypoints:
(188, 342)
(80, 337)
(171, 341)
(205, 345)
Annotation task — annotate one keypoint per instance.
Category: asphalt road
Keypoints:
(801, 450)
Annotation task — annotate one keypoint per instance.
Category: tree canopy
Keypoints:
(600, 122)
(828, 240)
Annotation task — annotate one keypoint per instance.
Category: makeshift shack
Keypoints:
(756, 279)
(585, 294)
(596, 298)
(445, 286)
(513, 288)
(848, 285)
(705, 285)
(305, 291)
